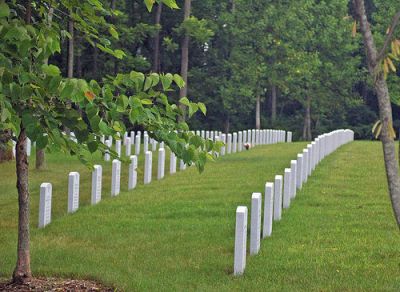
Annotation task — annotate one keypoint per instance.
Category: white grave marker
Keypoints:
(132, 173)
(278, 198)
(148, 161)
(172, 163)
(96, 184)
(286, 188)
(268, 209)
(115, 177)
(45, 204)
(255, 228)
(73, 192)
(240, 241)
(161, 163)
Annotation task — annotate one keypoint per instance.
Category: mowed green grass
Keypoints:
(178, 233)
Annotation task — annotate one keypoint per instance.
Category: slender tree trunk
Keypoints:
(273, 104)
(95, 58)
(227, 125)
(71, 49)
(78, 57)
(22, 272)
(307, 121)
(258, 109)
(156, 58)
(40, 159)
(385, 109)
(185, 57)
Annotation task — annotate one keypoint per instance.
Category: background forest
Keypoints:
(297, 65)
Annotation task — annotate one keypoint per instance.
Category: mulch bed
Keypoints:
(54, 284)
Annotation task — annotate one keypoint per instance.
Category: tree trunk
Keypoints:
(258, 108)
(307, 121)
(185, 58)
(22, 272)
(95, 57)
(385, 109)
(227, 125)
(273, 104)
(40, 159)
(71, 49)
(78, 57)
(156, 59)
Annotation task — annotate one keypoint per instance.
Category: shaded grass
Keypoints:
(178, 233)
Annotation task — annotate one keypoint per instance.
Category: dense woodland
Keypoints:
(297, 65)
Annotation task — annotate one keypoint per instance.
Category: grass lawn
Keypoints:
(178, 233)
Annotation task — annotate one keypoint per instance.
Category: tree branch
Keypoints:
(389, 36)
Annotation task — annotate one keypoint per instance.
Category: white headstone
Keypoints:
(278, 198)
(293, 168)
(305, 165)
(128, 146)
(118, 147)
(45, 204)
(161, 163)
(137, 144)
(172, 163)
(115, 177)
(268, 209)
(253, 137)
(153, 145)
(223, 148)
(73, 192)
(107, 153)
(299, 171)
(240, 241)
(96, 184)
(255, 229)
(286, 188)
(229, 144)
(132, 180)
(132, 136)
(28, 147)
(240, 141)
(145, 143)
(234, 143)
(148, 161)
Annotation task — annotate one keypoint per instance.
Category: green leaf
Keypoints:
(179, 81)
(4, 10)
(149, 4)
(166, 81)
(92, 146)
(202, 107)
(171, 4)
(146, 101)
(51, 70)
(184, 101)
(113, 32)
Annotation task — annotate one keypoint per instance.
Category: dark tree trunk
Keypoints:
(258, 114)
(156, 58)
(22, 272)
(307, 121)
(227, 125)
(385, 108)
(273, 104)
(71, 49)
(95, 59)
(185, 57)
(78, 57)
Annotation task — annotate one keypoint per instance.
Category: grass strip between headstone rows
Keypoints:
(178, 233)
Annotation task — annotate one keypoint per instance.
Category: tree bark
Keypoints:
(71, 49)
(40, 162)
(258, 108)
(156, 58)
(273, 104)
(307, 121)
(22, 272)
(385, 109)
(227, 125)
(185, 58)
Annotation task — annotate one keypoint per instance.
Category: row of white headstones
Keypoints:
(293, 179)
(234, 143)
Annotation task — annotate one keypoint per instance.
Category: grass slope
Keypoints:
(178, 233)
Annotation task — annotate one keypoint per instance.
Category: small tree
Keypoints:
(36, 102)
(379, 63)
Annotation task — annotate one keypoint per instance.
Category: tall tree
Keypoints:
(185, 54)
